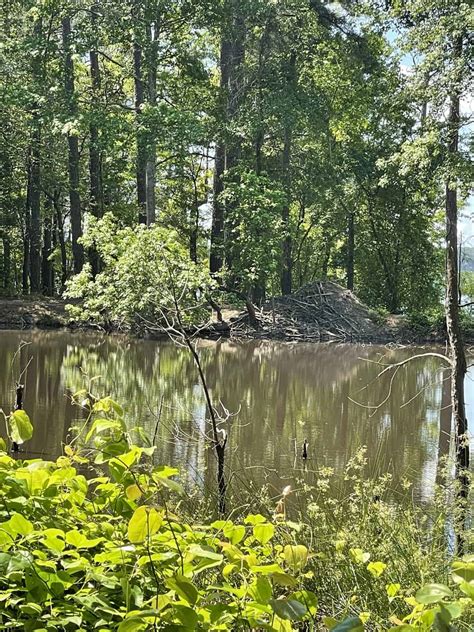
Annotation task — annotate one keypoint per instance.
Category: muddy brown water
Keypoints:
(278, 395)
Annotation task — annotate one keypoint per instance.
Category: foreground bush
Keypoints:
(112, 553)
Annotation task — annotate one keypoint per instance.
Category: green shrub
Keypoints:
(96, 540)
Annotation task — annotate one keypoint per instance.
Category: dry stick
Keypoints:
(219, 446)
(18, 406)
(395, 367)
(158, 420)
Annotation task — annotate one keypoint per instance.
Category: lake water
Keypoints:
(278, 395)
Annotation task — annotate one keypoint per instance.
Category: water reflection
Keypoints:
(282, 394)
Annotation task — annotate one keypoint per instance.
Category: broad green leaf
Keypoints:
(308, 598)
(264, 532)
(21, 429)
(234, 533)
(144, 523)
(183, 587)
(288, 609)
(20, 525)
(376, 568)
(296, 556)
(80, 541)
(352, 624)
(463, 570)
(433, 593)
(254, 519)
(133, 492)
(132, 624)
(261, 590)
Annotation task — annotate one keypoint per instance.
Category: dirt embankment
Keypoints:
(30, 313)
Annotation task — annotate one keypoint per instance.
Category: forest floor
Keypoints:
(321, 311)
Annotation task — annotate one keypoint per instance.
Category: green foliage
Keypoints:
(254, 208)
(111, 551)
(143, 271)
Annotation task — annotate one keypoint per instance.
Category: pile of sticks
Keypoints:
(318, 312)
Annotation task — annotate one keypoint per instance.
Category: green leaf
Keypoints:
(376, 568)
(20, 525)
(264, 532)
(359, 556)
(132, 624)
(254, 519)
(21, 428)
(183, 587)
(144, 523)
(296, 556)
(288, 609)
(261, 590)
(352, 624)
(233, 533)
(463, 570)
(433, 593)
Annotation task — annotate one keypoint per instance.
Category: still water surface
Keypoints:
(279, 395)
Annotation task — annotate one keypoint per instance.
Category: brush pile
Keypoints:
(320, 311)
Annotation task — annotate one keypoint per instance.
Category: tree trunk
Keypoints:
(218, 211)
(141, 145)
(26, 232)
(151, 145)
(233, 148)
(60, 235)
(232, 55)
(6, 263)
(350, 251)
(453, 324)
(95, 157)
(35, 178)
(47, 286)
(73, 151)
(194, 222)
(286, 268)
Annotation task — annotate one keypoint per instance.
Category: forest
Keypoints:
(284, 173)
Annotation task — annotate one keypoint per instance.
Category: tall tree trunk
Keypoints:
(235, 85)
(286, 263)
(25, 273)
(286, 246)
(151, 145)
(350, 251)
(46, 265)
(194, 222)
(7, 261)
(95, 156)
(35, 177)
(141, 144)
(60, 235)
(73, 151)
(218, 211)
(232, 53)
(456, 344)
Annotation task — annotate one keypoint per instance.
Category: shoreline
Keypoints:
(42, 313)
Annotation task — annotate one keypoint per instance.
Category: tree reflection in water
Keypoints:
(281, 392)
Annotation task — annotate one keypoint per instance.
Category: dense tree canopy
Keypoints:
(278, 142)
